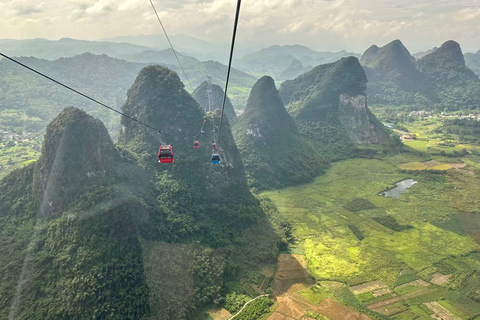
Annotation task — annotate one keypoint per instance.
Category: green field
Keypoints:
(14, 156)
(322, 213)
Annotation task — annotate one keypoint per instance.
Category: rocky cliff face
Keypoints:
(360, 123)
(274, 153)
(216, 97)
(77, 154)
(329, 106)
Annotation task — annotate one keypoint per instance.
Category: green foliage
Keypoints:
(315, 316)
(406, 276)
(256, 309)
(273, 152)
(315, 294)
(208, 271)
(357, 232)
(359, 204)
(440, 80)
(234, 302)
(85, 267)
(313, 100)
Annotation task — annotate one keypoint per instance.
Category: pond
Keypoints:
(401, 187)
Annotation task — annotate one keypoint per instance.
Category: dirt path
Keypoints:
(245, 305)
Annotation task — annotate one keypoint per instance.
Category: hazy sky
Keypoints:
(321, 24)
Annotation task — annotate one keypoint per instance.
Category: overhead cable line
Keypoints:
(237, 15)
(78, 92)
(171, 46)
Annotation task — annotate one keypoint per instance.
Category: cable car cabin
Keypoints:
(196, 144)
(165, 154)
(215, 146)
(215, 158)
(202, 132)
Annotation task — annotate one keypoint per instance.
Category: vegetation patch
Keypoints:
(315, 294)
(359, 204)
(391, 223)
(413, 166)
(356, 231)
(255, 309)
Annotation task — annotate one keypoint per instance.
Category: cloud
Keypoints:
(321, 24)
(23, 9)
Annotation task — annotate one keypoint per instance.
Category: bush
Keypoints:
(255, 309)
(391, 223)
(235, 301)
(359, 204)
(357, 232)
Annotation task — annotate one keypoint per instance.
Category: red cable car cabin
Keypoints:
(165, 154)
(196, 144)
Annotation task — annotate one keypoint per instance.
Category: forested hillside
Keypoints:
(439, 79)
(102, 230)
(208, 93)
(329, 106)
(29, 102)
(34, 101)
(472, 60)
(273, 151)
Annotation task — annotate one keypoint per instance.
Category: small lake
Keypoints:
(401, 187)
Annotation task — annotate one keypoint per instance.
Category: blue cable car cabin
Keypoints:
(215, 158)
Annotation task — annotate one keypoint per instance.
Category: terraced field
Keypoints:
(297, 297)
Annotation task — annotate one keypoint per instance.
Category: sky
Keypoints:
(330, 25)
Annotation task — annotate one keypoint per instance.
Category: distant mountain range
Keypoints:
(439, 79)
(287, 62)
(395, 76)
(64, 48)
(472, 60)
(104, 78)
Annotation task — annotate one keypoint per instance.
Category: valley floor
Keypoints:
(421, 262)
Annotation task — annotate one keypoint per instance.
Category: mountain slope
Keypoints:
(216, 96)
(440, 79)
(91, 230)
(78, 253)
(446, 66)
(198, 202)
(472, 61)
(37, 101)
(66, 48)
(456, 85)
(165, 57)
(275, 60)
(420, 55)
(274, 153)
(329, 107)
(33, 98)
(295, 69)
(392, 75)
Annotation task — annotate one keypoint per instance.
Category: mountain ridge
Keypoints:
(274, 153)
